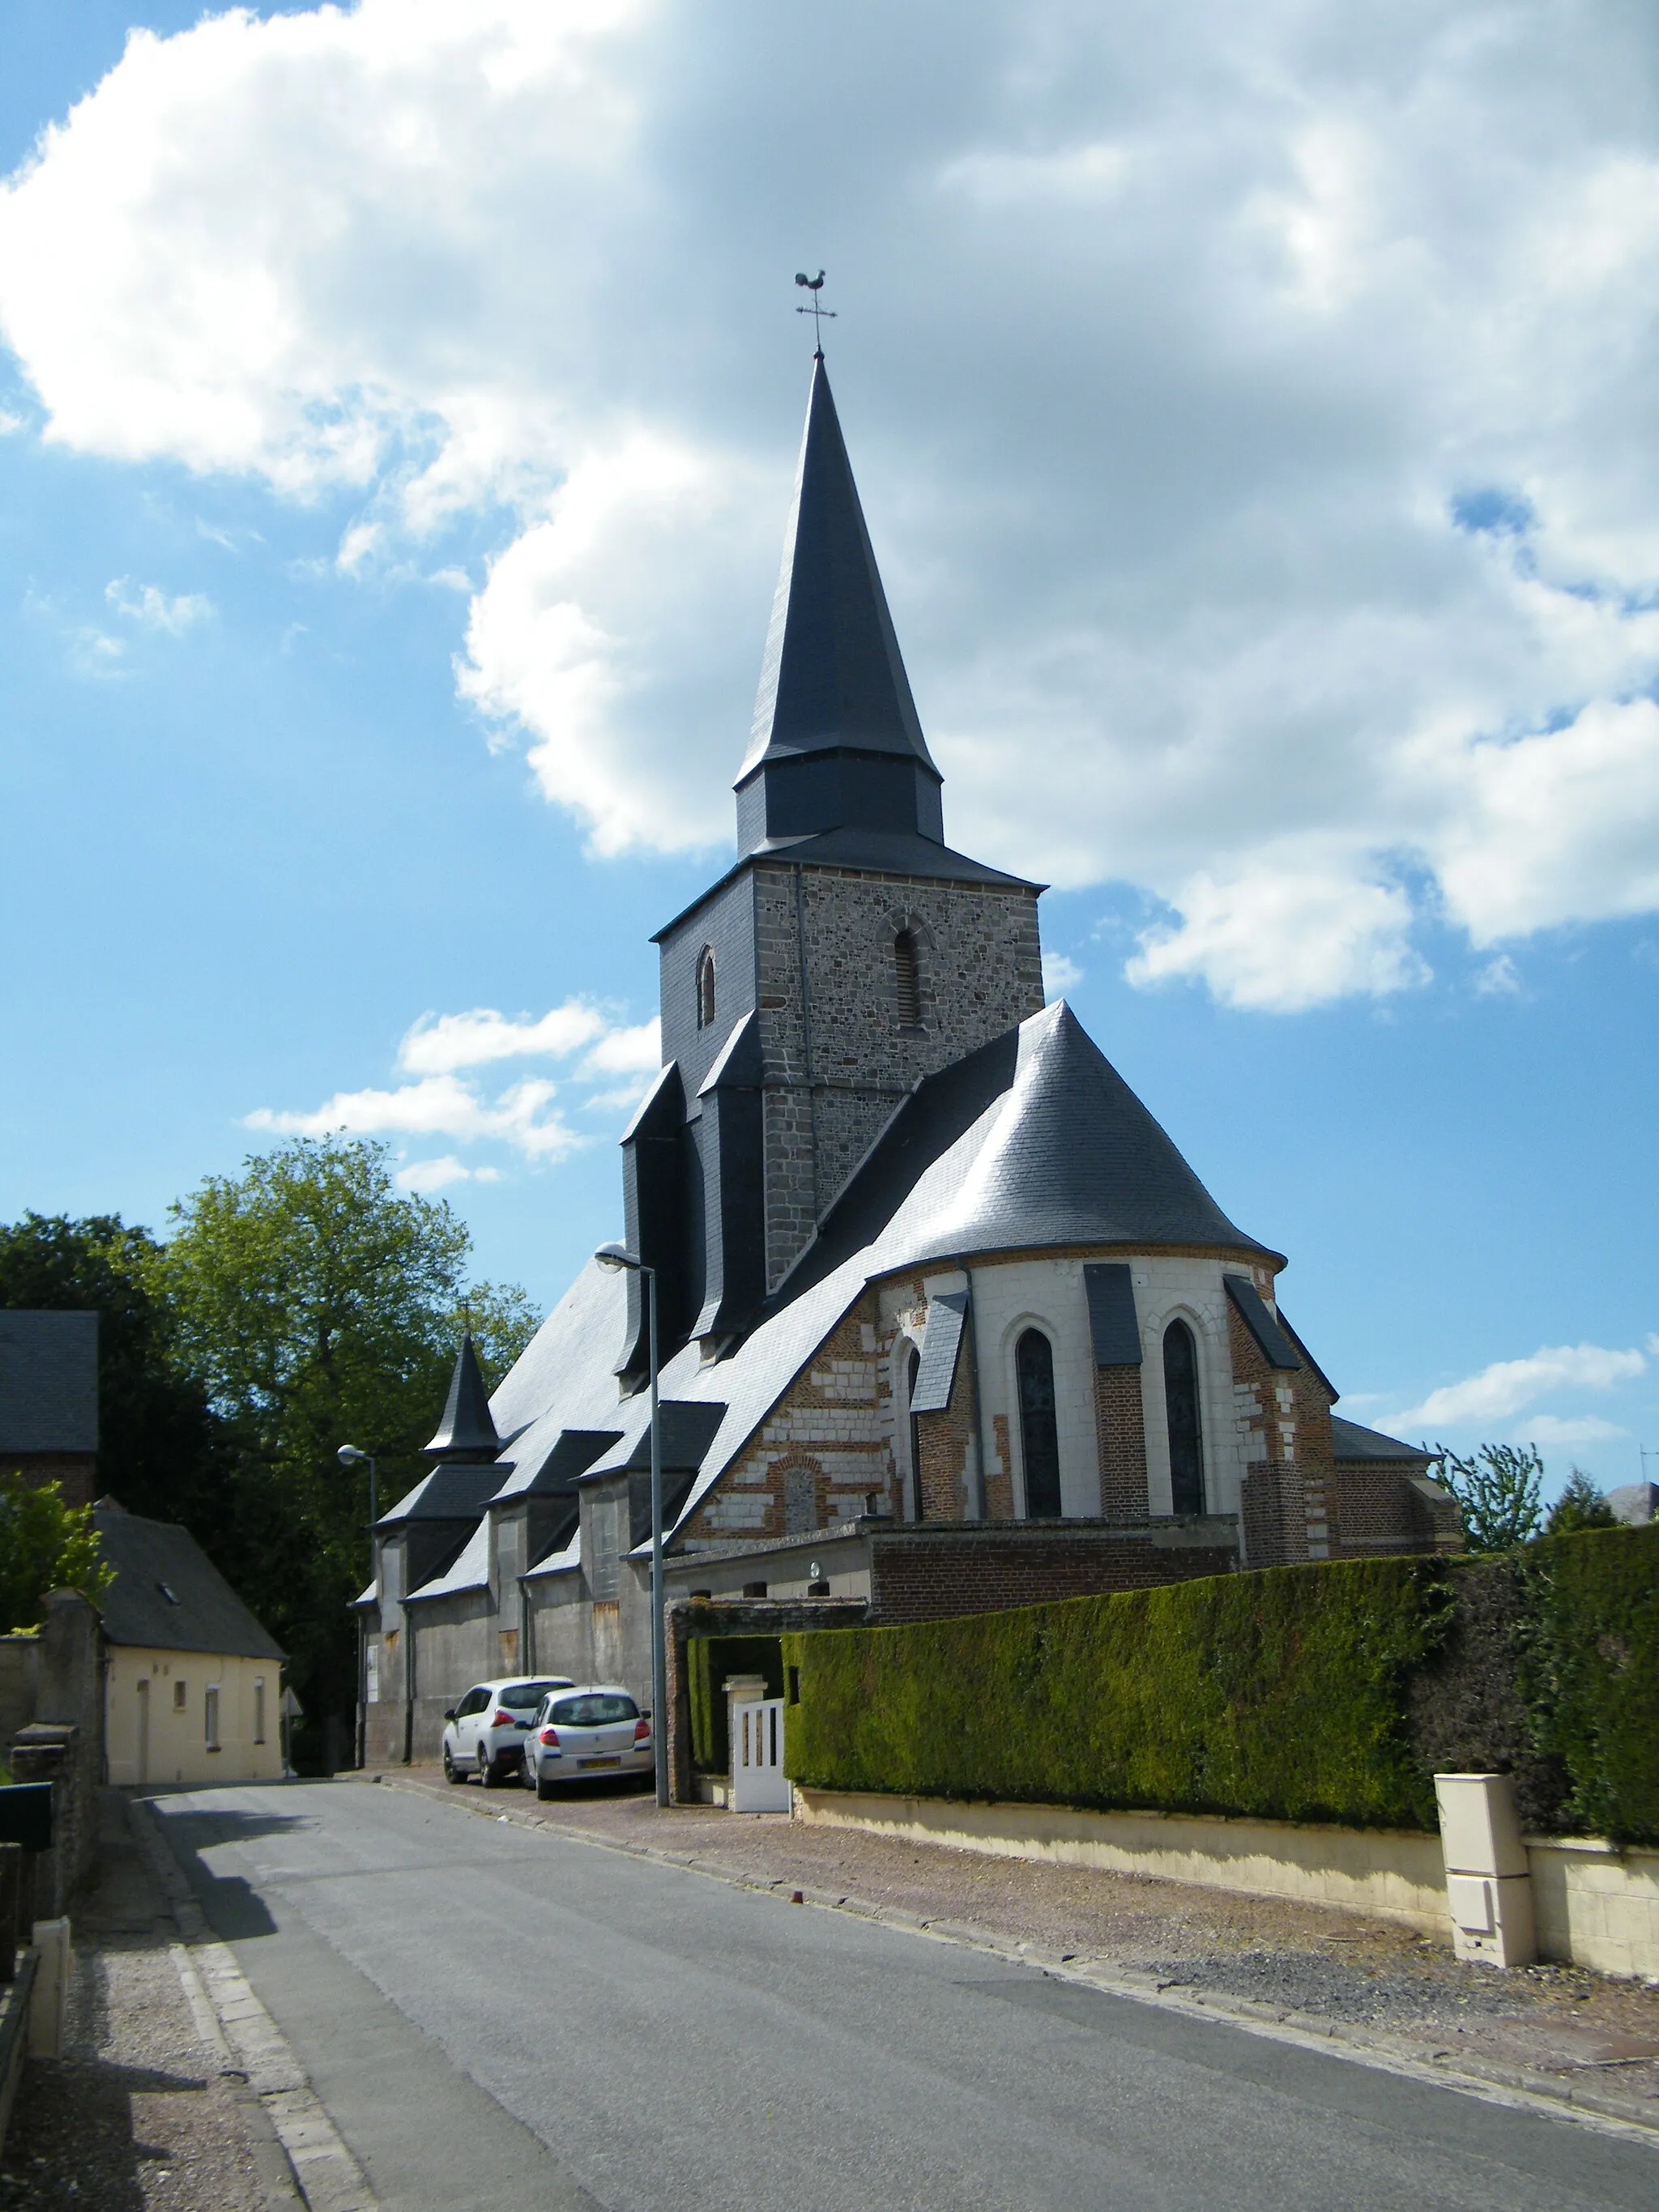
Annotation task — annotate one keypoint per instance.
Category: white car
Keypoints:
(583, 1733)
(485, 1734)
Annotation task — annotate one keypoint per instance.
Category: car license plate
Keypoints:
(598, 1762)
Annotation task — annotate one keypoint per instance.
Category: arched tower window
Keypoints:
(913, 1369)
(705, 987)
(1034, 1364)
(906, 978)
(1181, 1406)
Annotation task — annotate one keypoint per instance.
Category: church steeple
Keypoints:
(467, 1431)
(836, 744)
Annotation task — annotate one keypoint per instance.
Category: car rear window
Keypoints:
(524, 1697)
(593, 1712)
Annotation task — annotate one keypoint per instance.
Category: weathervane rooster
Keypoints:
(819, 314)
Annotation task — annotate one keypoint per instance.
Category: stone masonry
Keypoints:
(825, 960)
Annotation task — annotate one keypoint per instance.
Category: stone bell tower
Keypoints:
(847, 954)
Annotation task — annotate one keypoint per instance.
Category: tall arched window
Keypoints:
(912, 1371)
(907, 977)
(1034, 1363)
(1180, 1407)
(705, 987)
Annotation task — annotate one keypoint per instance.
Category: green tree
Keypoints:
(318, 1306)
(1580, 1505)
(45, 1545)
(1499, 1492)
(160, 1450)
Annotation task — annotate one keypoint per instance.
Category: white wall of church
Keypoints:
(1047, 1294)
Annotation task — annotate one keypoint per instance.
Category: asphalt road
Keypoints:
(496, 2017)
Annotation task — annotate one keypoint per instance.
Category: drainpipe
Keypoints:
(976, 1491)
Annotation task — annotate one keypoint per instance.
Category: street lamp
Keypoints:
(350, 1456)
(617, 1257)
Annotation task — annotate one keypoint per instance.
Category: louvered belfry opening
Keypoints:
(906, 976)
(706, 989)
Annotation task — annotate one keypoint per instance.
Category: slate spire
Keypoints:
(467, 1431)
(836, 743)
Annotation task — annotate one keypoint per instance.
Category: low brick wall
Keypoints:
(933, 1573)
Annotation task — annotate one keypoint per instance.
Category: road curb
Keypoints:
(231, 2019)
(1491, 2080)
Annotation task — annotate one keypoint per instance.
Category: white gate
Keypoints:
(757, 1779)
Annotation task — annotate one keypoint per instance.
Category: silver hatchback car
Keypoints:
(584, 1733)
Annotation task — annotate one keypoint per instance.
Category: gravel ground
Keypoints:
(136, 2112)
(1378, 1977)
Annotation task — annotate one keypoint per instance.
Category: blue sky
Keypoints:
(406, 401)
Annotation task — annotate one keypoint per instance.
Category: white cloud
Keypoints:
(1287, 934)
(1060, 973)
(444, 1101)
(636, 1051)
(1554, 1432)
(10, 423)
(1282, 544)
(1499, 979)
(424, 1176)
(155, 610)
(438, 1044)
(1510, 1385)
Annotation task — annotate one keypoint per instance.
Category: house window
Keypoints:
(210, 1716)
(179, 1690)
(906, 978)
(1180, 1408)
(259, 1709)
(1039, 1437)
(913, 1371)
(705, 987)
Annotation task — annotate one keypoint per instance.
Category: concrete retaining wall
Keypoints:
(1386, 1872)
(1594, 1905)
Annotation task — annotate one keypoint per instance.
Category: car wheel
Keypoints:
(526, 1771)
(486, 1768)
(451, 1772)
(544, 1789)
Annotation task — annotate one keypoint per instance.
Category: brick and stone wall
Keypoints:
(929, 1574)
(1121, 1431)
(837, 1058)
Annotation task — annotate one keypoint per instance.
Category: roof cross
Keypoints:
(819, 314)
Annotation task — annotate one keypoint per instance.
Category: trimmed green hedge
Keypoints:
(1324, 1692)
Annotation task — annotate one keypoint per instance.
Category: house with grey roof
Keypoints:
(947, 1323)
(49, 1399)
(192, 1681)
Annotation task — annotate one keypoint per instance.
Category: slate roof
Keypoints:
(470, 1570)
(832, 675)
(1350, 1442)
(466, 1431)
(168, 1595)
(48, 1380)
(454, 1491)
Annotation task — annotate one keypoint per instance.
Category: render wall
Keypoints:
(178, 1749)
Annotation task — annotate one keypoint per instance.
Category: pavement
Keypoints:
(505, 2009)
(142, 2110)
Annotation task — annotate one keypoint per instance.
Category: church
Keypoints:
(947, 1323)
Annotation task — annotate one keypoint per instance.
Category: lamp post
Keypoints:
(350, 1456)
(616, 1256)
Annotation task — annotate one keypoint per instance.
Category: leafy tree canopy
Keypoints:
(1499, 1492)
(45, 1545)
(320, 1305)
(1580, 1505)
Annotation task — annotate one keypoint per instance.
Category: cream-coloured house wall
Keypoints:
(177, 1746)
